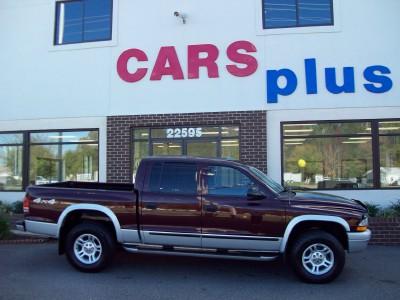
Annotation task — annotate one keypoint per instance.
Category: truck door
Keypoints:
(171, 205)
(238, 212)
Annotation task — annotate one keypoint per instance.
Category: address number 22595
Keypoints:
(176, 133)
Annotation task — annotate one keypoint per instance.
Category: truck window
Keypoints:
(176, 178)
(226, 181)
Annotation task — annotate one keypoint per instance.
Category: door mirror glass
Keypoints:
(254, 193)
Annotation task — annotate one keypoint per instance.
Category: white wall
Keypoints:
(43, 81)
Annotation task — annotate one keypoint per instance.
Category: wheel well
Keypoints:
(78, 216)
(333, 228)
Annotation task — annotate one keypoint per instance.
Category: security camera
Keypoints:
(181, 16)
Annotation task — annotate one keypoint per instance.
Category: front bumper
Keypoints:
(358, 241)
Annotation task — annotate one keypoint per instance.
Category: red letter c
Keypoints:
(122, 65)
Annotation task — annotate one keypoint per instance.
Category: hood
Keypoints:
(321, 201)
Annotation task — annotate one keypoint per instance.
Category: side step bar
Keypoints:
(207, 253)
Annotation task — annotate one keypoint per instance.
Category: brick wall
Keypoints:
(253, 136)
(385, 231)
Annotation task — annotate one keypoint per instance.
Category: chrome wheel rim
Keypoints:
(318, 259)
(87, 249)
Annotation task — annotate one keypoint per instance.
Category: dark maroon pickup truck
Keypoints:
(199, 207)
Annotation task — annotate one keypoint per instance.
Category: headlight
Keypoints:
(363, 225)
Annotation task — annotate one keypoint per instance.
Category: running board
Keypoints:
(207, 253)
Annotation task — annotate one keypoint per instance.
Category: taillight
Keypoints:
(26, 203)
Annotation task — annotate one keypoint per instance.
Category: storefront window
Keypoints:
(389, 146)
(11, 162)
(63, 156)
(328, 155)
(202, 141)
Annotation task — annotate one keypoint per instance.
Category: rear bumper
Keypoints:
(42, 228)
(358, 241)
(20, 225)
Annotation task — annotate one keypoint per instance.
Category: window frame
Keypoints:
(22, 144)
(375, 134)
(56, 25)
(332, 7)
(150, 140)
(26, 151)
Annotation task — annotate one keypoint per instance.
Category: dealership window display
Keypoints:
(41, 157)
(63, 156)
(11, 145)
(341, 155)
(203, 141)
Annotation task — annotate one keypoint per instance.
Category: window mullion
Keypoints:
(376, 155)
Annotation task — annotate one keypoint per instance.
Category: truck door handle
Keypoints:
(211, 208)
(150, 205)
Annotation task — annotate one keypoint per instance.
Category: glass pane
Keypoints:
(390, 161)
(46, 137)
(308, 129)
(202, 149)
(178, 178)
(315, 12)
(141, 133)
(11, 138)
(80, 162)
(97, 24)
(65, 137)
(80, 136)
(10, 168)
(209, 131)
(389, 127)
(141, 150)
(45, 164)
(230, 149)
(167, 148)
(227, 181)
(328, 163)
(69, 22)
(159, 133)
(279, 13)
(230, 131)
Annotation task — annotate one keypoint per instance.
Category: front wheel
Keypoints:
(90, 247)
(317, 257)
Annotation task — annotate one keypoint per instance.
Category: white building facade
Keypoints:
(319, 78)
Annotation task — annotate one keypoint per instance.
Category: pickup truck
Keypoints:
(199, 207)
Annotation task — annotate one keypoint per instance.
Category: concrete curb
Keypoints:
(25, 238)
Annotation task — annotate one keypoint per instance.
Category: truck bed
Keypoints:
(91, 186)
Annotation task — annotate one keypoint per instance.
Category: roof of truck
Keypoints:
(207, 160)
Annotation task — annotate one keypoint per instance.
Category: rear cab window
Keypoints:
(173, 178)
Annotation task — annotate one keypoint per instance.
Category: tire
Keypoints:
(89, 247)
(317, 257)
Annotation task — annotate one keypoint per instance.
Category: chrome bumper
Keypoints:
(358, 241)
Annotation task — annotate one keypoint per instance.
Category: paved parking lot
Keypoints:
(37, 272)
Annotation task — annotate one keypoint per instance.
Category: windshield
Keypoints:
(274, 186)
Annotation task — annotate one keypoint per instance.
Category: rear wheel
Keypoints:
(90, 246)
(317, 257)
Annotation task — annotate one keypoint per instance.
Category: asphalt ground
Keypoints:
(38, 272)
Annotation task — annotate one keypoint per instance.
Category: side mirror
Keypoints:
(254, 194)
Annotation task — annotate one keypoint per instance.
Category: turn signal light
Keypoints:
(361, 228)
